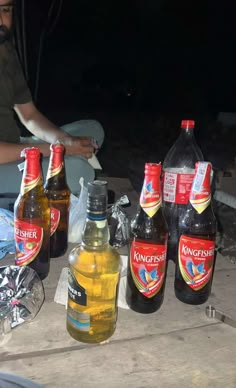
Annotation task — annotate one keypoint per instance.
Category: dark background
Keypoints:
(138, 67)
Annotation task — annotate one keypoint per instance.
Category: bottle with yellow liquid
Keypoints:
(94, 270)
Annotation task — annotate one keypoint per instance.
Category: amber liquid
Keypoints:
(202, 226)
(33, 208)
(97, 271)
(149, 230)
(59, 198)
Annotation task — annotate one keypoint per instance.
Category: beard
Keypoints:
(5, 34)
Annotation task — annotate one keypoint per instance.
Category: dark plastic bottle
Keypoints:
(178, 174)
(147, 258)
(196, 248)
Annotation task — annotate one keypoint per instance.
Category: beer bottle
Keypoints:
(94, 269)
(32, 217)
(58, 195)
(147, 257)
(196, 248)
(178, 174)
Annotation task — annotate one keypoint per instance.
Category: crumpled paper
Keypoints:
(21, 294)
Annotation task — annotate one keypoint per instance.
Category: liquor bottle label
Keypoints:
(200, 196)
(55, 219)
(148, 266)
(28, 241)
(150, 199)
(196, 258)
(31, 179)
(75, 291)
(80, 321)
(177, 187)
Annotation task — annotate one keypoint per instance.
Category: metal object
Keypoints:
(211, 312)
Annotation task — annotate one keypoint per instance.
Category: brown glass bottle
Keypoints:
(196, 247)
(147, 257)
(58, 195)
(32, 217)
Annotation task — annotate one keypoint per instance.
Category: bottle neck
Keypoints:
(200, 195)
(56, 166)
(96, 232)
(32, 175)
(187, 132)
(151, 198)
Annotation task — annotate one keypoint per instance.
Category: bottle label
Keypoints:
(177, 187)
(80, 321)
(55, 167)
(28, 241)
(31, 178)
(150, 199)
(200, 196)
(75, 291)
(196, 258)
(55, 219)
(148, 266)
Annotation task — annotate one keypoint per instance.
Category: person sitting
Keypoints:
(81, 138)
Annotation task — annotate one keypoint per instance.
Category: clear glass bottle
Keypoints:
(94, 270)
(197, 235)
(178, 174)
(147, 259)
(32, 217)
(58, 194)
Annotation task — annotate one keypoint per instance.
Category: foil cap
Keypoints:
(186, 124)
(97, 196)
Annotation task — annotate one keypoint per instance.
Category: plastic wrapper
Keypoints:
(21, 296)
(119, 223)
(7, 244)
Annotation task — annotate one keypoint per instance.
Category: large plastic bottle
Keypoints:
(178, 174)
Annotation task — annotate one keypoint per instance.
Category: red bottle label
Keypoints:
(148, 266)
(31, 176)
(55, 219)
(196, 258)
(28, 241)
(200, 196)
(177, 187)
(56, 162)
(150, 199)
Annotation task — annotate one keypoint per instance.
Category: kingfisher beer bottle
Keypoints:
(196, 248)
(147, 258)
(58, 195)
(178, 174)
(32, 217)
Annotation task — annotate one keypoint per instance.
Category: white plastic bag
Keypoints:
(77, 214)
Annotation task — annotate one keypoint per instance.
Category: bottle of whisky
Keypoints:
(58, 194)
(94, 269)
(32, 217)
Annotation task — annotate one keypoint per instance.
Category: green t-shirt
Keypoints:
(13, 90)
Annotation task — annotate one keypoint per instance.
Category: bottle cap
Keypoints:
(30, 152)
(57, 147)
(97, 196)
(153, 168)
(185, 124)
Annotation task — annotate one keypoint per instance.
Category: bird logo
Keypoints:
(195, 271)
(148, 278)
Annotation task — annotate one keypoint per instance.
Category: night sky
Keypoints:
(167, 55)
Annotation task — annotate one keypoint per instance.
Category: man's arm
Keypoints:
(45, 130)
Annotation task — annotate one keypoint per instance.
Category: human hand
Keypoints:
(80, 145)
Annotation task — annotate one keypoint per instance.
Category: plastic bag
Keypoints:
(7, 244)
(21, 294)
(119, 223)
(77, 214)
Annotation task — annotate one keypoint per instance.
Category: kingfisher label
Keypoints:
(150, 199)
(28, 241)
(196, 258)
(200, 196)
(55, 219)
(54, 168)
(148, 266)
(177, 187)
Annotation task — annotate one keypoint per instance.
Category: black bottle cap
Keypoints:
(97, 196)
